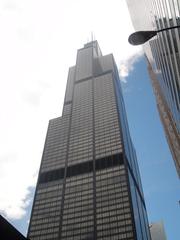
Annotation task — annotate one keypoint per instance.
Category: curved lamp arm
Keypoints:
(141, 37)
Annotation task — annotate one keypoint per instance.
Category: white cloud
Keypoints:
(38, 43)
(127, 65)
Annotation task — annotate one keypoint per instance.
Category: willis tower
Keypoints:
(89, 185)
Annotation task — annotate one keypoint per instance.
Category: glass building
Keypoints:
(163, 54)
(89, 185)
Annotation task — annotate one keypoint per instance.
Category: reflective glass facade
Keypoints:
(89, 185)
(163, 54)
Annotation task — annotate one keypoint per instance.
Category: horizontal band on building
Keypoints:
(81, 168)
(67, 102)
(94, 76)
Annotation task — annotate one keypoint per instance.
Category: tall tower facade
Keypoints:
(163, 54)
(89, 185)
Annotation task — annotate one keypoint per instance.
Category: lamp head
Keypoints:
(141, 37)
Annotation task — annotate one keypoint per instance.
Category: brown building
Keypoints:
(170, 129)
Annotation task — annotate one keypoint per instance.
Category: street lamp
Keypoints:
(141, 37)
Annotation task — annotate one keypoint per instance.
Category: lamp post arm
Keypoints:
(141, 37)
(165, 29)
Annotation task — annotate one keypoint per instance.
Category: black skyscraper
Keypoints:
(89, 185)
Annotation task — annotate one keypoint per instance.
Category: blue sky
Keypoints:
(159, 177)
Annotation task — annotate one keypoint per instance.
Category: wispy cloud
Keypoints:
(9, 5)
(127, 65)
(14, 199)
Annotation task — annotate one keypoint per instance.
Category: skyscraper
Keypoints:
(89, 185)
(157, 231)
(163, 54)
